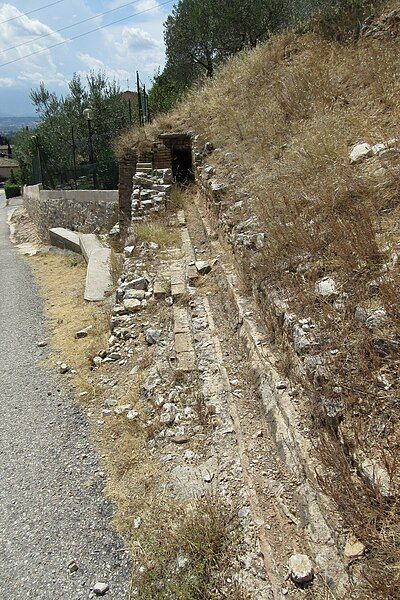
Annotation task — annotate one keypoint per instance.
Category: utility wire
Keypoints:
(75, 37)
(44, 35)
(31, 11)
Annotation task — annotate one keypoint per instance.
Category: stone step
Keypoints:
(183, 343)
(181, 218)
(178, 279)
(144, 168)
(98, 276)
(65, 239)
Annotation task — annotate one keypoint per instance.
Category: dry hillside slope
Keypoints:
(316, 238)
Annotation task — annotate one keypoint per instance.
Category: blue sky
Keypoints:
(134, 44)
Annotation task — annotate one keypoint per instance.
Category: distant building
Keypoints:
(6, 166)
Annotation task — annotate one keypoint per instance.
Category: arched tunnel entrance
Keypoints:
(179, 149)
(182, 165)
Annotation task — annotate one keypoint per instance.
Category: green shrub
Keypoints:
(12, 190)
(338, 19)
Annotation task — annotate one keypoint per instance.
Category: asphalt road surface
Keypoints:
(52, 509)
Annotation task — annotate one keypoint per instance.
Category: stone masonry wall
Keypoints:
(79, 210)
(127, 169)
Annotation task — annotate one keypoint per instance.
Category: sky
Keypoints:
(135, 43)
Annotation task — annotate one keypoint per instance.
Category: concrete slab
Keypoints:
(181, 320)
(186, 361)
(98, 277)
(181, 218)
(178, 290)
(89, 242)
(65, 239)
(161, 289)
(183, 343)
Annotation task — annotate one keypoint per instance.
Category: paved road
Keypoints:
(51, 505)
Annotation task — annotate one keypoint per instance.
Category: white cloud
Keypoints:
(23, 30)
(135, 48)
(137, 40)
(93, 63)
(151, 5)
(6, 82)
(33, 69)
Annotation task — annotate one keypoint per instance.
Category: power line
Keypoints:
(31, 11)
(75, 37)
(44, 35)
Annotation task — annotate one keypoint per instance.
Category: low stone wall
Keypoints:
(79, 210)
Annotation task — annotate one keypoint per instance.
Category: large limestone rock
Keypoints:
(359, 153)
(301, 568)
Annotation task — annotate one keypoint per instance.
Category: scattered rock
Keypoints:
(203, 267)
(132, 305)
(114, 231)
(326, 287)
(110, 402)
(353, 548)
(152, 336)
(97, 361)
(122, 408)
(301, 568)
(72, 566)
(132, 415)
(376, 318)
(128, 251)
(100, 588)
(359, 153)
(134, 294)
(169, 413)
(180, 439)
(41, 344)
(82, 333)
(376, 474)
(140, 283)
(64, 368)
(208, 477)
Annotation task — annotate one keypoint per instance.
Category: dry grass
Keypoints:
(189, 558)
(288, 113)
(157, 232)
(61, 282)
(177, 199)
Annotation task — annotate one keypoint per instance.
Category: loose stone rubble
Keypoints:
(151, 189)
(184, 388)
(301, 568)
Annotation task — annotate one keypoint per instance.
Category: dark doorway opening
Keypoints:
(182, 165)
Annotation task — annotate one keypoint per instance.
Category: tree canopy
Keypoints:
(62, 134)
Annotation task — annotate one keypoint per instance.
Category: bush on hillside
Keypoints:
(12, 190)
(12, 186)
(337, 19)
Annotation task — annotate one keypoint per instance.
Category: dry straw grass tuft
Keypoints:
(288, 114)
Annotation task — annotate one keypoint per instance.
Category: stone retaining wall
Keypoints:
(80, 210)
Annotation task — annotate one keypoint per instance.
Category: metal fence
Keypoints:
(84, 176)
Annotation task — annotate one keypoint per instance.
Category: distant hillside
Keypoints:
(10, 124)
